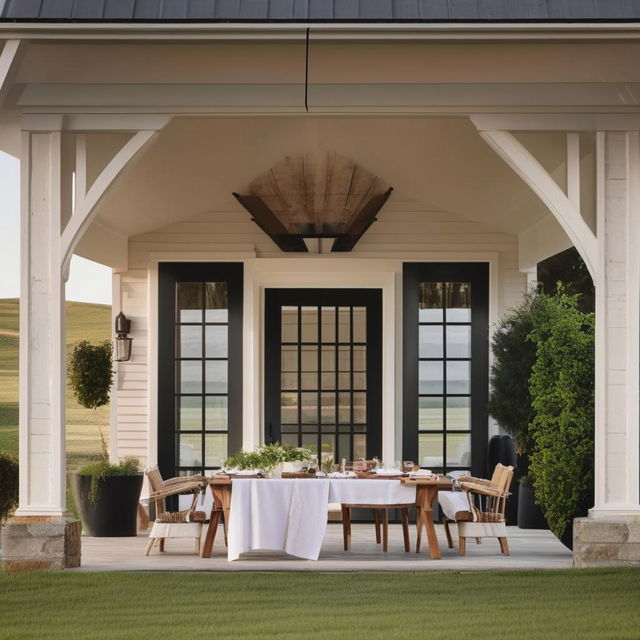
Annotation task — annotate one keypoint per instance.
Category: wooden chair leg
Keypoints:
(152, 541)
(405, 528)
(447, 531)
(161, 545)
(385, 531)
(504, 546)
(346, 527)
(224, 528)
(462, 545)
(376, 518)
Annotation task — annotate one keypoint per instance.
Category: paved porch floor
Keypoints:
(530, 549)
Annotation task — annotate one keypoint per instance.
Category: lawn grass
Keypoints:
(445, 606)
(84, 322)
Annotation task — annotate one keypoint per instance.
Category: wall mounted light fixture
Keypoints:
(123, 341)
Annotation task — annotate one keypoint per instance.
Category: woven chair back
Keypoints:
(155, 479)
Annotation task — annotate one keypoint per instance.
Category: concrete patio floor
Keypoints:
(530, 549)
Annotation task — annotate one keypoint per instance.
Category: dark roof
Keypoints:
(321, 10)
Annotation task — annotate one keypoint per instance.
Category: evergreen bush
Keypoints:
(8, 485)
(562, 391)
(513, 358)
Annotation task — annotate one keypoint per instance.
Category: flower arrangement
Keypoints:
(267, 457)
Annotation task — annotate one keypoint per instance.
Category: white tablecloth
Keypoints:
(372, 491)
(291, 514)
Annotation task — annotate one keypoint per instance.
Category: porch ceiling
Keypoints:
(197, 163)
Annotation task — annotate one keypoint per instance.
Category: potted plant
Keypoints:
(268, 458)
(510, 402)
(106, 494)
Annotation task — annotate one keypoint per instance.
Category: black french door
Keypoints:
(323, 370)
(446, 365)
(199, 365)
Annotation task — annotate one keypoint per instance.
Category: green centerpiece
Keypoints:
(267, 458)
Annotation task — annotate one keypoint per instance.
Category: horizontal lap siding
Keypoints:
(132, 406)
(404, 230)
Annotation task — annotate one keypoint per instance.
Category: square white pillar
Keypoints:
(617, 450)
(42, 342)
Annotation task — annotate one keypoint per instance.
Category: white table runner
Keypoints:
(291, 514)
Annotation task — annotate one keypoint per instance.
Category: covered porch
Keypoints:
(492, 173)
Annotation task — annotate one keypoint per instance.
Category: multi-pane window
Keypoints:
(323, 379)
(201, 375)
(444, 375)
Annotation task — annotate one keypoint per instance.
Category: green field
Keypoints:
(534, 605)
(84, 322)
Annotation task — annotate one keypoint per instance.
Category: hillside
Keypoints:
(84, 322)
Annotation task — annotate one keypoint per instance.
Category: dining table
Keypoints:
(290, 514)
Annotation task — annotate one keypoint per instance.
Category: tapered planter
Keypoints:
(115, 511)
(530, 515)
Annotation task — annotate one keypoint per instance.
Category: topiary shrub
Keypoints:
(91, 375)
(8, 485)
(562, 390)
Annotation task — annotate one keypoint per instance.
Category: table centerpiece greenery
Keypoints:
(267, 457)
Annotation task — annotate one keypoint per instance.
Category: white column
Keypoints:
(617, 465)
(42, 354)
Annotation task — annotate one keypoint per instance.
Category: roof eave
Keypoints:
(353, 31)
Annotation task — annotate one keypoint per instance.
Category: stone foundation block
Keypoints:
(37, 544)
(606, 543)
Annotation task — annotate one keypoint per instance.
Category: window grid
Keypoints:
(342, 434)
(203, 394)
(444, 431)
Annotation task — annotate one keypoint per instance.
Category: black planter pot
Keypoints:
(530, 515)
(502, 449)
(115, 512)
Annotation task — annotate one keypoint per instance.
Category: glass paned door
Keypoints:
(323, 370)
(446, 361)
(200, 366)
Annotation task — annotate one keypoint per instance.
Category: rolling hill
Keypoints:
(84, 322)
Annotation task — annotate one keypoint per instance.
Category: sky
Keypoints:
(88, 281)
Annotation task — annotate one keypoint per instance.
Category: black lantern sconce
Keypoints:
(123, 341)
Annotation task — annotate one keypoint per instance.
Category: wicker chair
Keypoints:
(175, 524)
(478, 509)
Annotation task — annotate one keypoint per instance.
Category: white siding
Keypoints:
(404, 231)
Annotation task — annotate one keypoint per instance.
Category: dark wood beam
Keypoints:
(267, 221)
(347, 240)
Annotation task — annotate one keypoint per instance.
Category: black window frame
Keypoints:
(476, 273)
(275, 299)
(169, 274)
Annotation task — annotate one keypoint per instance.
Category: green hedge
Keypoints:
(562, 390)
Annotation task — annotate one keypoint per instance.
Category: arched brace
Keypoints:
(545, 187)
(9, 59)
(85, 207)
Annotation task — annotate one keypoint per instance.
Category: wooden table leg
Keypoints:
(405, 529)
(221, 504)
(385, 530)
(425, 497)
(376, 517)
(419, 528)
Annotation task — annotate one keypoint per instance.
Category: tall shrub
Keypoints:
(91, 375)
(513, 358)
(562, 390)
(8, 485)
